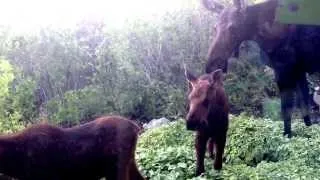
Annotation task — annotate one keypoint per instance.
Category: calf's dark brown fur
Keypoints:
(104, 147)
(208, 116)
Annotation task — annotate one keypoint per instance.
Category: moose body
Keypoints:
(293, 50)
(208, 116)
(104, 147)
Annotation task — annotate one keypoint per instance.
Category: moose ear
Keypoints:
(190, 78)
(217, 76)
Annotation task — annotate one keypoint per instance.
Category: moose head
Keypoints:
(238, 23)
(205, 93)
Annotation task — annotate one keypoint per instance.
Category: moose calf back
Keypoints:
(104, 147)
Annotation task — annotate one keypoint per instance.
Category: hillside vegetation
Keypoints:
(255, 149)
(70, 76)
(73, 75)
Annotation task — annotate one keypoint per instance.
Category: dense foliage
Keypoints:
(255, 149)
(10, 113)
(70, 76)
(249, 83)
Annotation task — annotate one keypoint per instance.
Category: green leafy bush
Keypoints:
(75, 106)
(271, 109)
(23, 99)
(166, 152)
(152, 101)
(9, 116)
(249, 81)
(255, 149)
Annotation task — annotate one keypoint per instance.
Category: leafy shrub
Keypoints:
(271, 109)
(165, 153)
(11, 123)
(23, 99)
(255, 149)
(153, 101)
(79, 105)
(9, 116)
(248, 81)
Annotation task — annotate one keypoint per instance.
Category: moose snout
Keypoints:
(194, 123)
(191, 123)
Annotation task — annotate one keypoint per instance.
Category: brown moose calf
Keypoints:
(208, 116)
(104, 147)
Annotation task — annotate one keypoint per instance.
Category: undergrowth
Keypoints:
(255, 149)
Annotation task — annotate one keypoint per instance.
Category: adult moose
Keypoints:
(104, 147)
(293, 50)
(208, 116)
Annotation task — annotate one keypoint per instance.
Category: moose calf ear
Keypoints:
(217, 75)
(190, 78)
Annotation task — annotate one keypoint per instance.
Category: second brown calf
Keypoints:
(104, 147)
(208, 116)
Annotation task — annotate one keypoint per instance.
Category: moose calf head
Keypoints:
(202, 97)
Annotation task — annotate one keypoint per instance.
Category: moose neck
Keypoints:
(265, 31)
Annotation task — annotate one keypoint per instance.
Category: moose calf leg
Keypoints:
(134, 172)
(201, 142)
(123, 170)
(220, 144)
